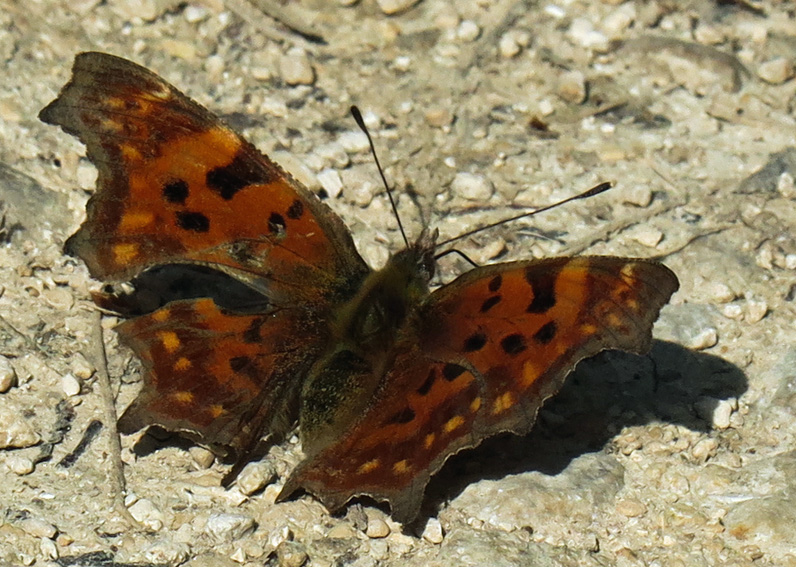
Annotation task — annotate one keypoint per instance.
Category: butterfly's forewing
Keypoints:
(178, 186)
(482, 355)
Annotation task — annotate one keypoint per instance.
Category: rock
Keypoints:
(572, 87)
(8, 376)
(15, 432)
(229, 527)
(295, 69)
(776, 71)
(331, 182)
(432, 533)
(395, 6)
(472, 187)
(145, 512)
(70, 385)
(468, 31)
(254, 477)
(377, 528)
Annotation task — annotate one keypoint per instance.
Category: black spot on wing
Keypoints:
(296, 210)
(404, 416)
(176, 192)
(239, 363)
(276, 223)
(452, 371)
(495, 283)
(543, 287)
(490, 303)
(474, 342)
(241, 172)
(513, 344)
(425, 388)
(196, 222)
(252, 334)
(546, 333)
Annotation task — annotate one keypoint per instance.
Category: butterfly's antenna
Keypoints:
(361, 123)
(596, 190)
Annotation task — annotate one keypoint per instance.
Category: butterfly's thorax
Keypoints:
(364, 332)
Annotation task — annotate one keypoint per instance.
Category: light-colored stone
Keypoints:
(572, 87)
(331, 182)
(472, 186)
(20, 465)
(377, 528)
(145, 512)
(433, 533)
(295, 69)
(638, 194)
(395, 6)
(647, 235)
(226, 527)
(468, 31)
(8, 376)
(70, 385)
(203, 458)
(291, 554)
(439, 116)
(354, 142)
(15, 432)
(631, 508)
(508, 46)
(776, 71)
(705, 449)
(255, 476)
(38, 527)
(755, 311)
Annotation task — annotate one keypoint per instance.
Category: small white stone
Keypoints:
(719, 292)
(706, 338)
(776, 71)
(508, 46)
(19, 465)
(86, 175)
(146, 513)
(648, 236)
(395, 6)
(790, 261)
(334, 154)
(195, 13)
(471, 186)
(203, 458)
(229, 527)
(582, 32)
(572, 87)
(705, 449)
(377, 528)
(786, 185)
(238, 556)
(354, 142)
(639, 195)
(432, 533)
(295, 69)
(48, 548)
(756, 310)
(631, 508)
(291, 554)
(722, 414)
(70, 385)
(732, 311)
(402, 63)
(255, 476)
(279, 536)
(8, 376)
(439, 116)
(15, 432)
(468, 31)
(331, 182)
(81, 367)
(38, 528)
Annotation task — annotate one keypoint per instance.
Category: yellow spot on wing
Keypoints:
(217, 411)
(182, 364)
(130, 153)
(429, 440)
(369, 466)
(137, 219)
(123, 254)
(475, 405)
(453, 423)
(530, 372)
(170, 340)
(401, 467)
(183, 397)
(502, 403)
(588, 329)
(161, 315)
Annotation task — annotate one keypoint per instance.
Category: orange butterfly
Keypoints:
(386, 379)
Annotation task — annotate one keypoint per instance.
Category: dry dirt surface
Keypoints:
(479, 108)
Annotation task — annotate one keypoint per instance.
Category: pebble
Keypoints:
(146, 513)
(647, 236)
(472, 186)
(334, 154)
(19, 465)
(70, 385)
(572, 87)
(8, 376)
(582, 32)
(395, 6)
(295, 69)
(38, 528)
(254, 477)
(732, 311)
(377, 528)
(81, 367)
(639, 195)
(722, 414)
(718, 292)
(508, 46)
(354, 142)
(705, 338)
(279, 536)
(48, 549)
(432, 533)
(786, 186)
(468, 31)
(341, 531)
(776, 71)
(15, 432)
(331, 182)
(291, 554)
(203, 458)
(631, 508)
(756, 310)
(705, 449)
(229, 527)
(439, 117)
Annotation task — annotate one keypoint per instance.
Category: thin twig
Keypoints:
(109, 418)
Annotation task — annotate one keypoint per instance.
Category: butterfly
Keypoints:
(385, 378)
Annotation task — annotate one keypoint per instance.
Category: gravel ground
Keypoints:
(681, 458)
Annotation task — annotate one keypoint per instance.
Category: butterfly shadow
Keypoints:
(604, 394)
